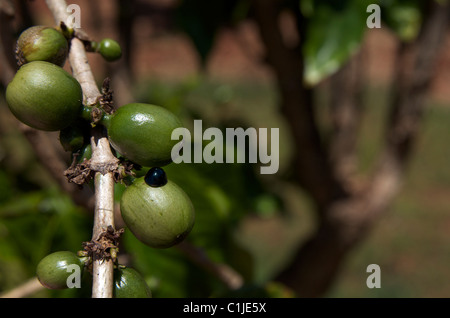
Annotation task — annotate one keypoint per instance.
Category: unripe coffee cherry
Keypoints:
(44, 96)
(72, 138)
(128, 283)
(158, 216)
(109, 49)
(42, 43)
(54, 269)
(142, 133)
(84, 153)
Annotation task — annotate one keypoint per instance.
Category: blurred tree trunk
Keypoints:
(345, 213)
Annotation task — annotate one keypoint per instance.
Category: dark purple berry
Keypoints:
(155, 177)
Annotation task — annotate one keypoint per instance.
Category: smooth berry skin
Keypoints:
(156, 177)
(110, 50)
(71, 138)
(44, 96)
(142, 133)
(52, 271)
(128, 283)
(160, 217)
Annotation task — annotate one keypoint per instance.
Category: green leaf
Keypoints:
(26, 203)
(404, 18)
(306, 7)
(332, 37)
(5, 185)
(201, 20)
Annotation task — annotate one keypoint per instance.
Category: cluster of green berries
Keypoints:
(44, 96)
(54, 272)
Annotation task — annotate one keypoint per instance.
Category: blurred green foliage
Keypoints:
(327, 48)
(403, 17)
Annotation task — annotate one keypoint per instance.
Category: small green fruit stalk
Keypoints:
(44, 96)
(73, 138)
(54, 270)
(42, 43)
(157, 211)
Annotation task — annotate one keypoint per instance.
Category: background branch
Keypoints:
(28, 288)
(223, 272)
(312, 168)
(7, 13)
(346, 111)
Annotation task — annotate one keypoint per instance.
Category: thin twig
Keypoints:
(223, 272)
(7, 12)
(30, 287)
(104, 182)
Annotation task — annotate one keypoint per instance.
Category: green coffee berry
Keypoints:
(54, 269)
(109, 49)
(42, 43)
(72, 138)
(128, 283)
(44, 96)
(160, 217)
(142, 133)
